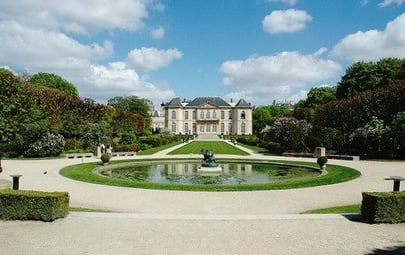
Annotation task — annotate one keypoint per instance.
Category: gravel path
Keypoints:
(180, 222)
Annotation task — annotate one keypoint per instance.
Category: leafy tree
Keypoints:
(263, 115)
(317, 96)
(54, 81)
(398, 134)
(290, 133)
(363, 76)
(135, 105)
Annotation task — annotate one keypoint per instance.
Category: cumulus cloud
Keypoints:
(77, 16)
(158, 33)
(285, 21)
(43, 49)
(386, 3)
(373, 45)
(267, 77)
(152, 58)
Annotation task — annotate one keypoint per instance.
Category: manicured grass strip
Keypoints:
(337, 210)
(83, 209)
(217, 147)
(157, 149)
(336, 174)
(255, 148)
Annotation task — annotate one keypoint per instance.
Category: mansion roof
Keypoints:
(199, 101)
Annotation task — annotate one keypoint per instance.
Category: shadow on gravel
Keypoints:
(394, 250)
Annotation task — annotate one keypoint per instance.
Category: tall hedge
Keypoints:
(33, 205)
(354, 112)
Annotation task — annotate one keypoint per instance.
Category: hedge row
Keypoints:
(33, 205)
(383, 207)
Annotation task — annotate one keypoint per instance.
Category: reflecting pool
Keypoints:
(181, 172)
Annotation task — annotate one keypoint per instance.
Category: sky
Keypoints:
(258, 50)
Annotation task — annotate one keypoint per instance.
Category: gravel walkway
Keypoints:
(180, 222)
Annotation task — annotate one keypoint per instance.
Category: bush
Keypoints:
(47, 146)
(383, 207)
(33, 205)
(105, 158)
(322, 161)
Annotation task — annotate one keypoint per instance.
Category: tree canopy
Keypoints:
(54, 81)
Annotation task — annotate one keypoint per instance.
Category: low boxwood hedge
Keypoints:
(33, 205)
(383, 207)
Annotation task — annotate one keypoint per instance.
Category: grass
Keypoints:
(83, 172)
(83, 209)
(337, 210)
(255, 148)
(154, 150)
(219, 147)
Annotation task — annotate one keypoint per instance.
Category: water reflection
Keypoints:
(186, 173)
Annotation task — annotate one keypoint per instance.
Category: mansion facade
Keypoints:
(207, 115)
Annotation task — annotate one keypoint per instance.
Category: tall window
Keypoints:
(230, 114)
(186, 115)
(208, 115)
(208, 128)
(202, 128)
(214, 115)
(243, 115)
(230, 128)
(222, 128)
(243, 127)
(173, 115)
(173, 127)
(186, 127)
(194, 128)
(222, 115)
(201, 115)
(194, 115)
(214, 128)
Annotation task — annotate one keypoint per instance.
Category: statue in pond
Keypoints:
(209, 159)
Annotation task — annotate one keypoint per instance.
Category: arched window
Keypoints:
(243, 115)
(201, 115)
(173, 115)
(208, 115)
(186, 115)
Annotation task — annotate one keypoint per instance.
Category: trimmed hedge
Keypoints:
(383, 207)
(33, 205)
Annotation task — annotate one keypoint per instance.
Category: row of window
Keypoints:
(207, 128)
(207, 115)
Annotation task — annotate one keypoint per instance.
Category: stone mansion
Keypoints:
(206, 116)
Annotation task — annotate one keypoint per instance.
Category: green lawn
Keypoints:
(157, 149)
(338, 210)
(219, 147)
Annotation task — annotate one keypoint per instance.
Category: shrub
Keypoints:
(383, 207)
(322, 161)
(48, 145)
(33, 205)
(105, 158)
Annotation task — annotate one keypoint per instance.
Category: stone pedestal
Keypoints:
(319, 152)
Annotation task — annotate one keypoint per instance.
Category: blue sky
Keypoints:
(259, 50)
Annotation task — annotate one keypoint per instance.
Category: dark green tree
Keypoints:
(317, 96)
(54, 81)
(264, 115)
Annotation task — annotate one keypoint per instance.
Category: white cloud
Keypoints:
(263, 78)
(77, 16)
(285, 21)
(287, 2)
(386, 3)
(373, 45)
(152, 58)
(158, 33)
(42, 49)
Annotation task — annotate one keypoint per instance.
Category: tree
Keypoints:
(362, 76)
(54, 81)
(263, 115)
(290, 133)
(317, 96)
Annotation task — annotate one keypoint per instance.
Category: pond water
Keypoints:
(175, 172)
